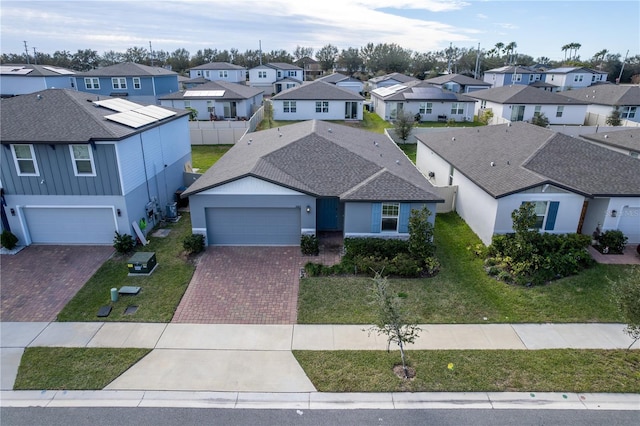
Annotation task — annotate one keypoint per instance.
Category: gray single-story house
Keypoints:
(275, 185)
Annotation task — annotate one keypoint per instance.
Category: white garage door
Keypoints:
(253, 226)
(630, 224)
(70, 225)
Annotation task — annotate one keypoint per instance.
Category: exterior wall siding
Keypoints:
(243, 106)
(306, 110)
(358, 220)
(476, 207)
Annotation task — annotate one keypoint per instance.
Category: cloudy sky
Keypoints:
(540, 28)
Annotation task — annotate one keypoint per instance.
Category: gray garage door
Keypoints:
(70, 225)
(253, 226)
(630, 224)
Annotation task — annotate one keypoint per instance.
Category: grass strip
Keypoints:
(74, 368)
(204, 156)
(554, 370)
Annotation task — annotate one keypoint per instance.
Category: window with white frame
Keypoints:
(577, 78)
(187, 104)
(540, 209)
(25, 160)
(322, 106)
(457, 108)
(210, 106)
(517, 77)
(426, 107)
(262, 74)
(82, 157)
(628, 112)
(593, 77)
(531, 77)
(559, 111)
(223, 74)
(136, 83)
(119, 82)
(537, 77)
(290, 85)
(483, 104)
(537, 110)
(289, 106)
(390, 214)
(92, 83)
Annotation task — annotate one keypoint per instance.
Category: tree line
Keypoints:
(366, 61)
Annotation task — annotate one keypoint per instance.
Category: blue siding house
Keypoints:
(20, 79)
(135, 82)
(86, 168)
(275, 185)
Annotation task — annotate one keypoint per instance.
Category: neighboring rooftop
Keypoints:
(419, 90)
(216, 90)
(318, 90)
(607, 94)
(625, 139)
(31, 70)
(393, 76)
(527, 95)
(462, 80)
(127, 69)
(218, 66)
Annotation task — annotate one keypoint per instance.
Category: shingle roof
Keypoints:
(402, 78)
(62, 116)
(505, 159)
(521, 94)
(333, 78)
(457, 78)
(231, 91)
(127, 69)
(625, 139)
(322, 159)
(421, 91)
(218, 66)
(318, 90)
(283, 66)
(569, 70)
(607, 94)
(38, 70)
(509, 69)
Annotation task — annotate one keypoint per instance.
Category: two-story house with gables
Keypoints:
(135, 82)
(220, 71)
(20, 79)
(275, 77)
(75, 170)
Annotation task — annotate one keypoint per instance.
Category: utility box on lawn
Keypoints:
(142, 263)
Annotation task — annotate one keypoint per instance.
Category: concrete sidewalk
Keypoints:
(258, 358)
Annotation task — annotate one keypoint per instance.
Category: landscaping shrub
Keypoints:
(376, 247)
(123, 243)
(420, 242)
(431, 266)
(8, 240)
(193, 243)
(309, 245)
(612, 241)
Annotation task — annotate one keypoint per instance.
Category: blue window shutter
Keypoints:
(376, 217)
(405, 211)
(551, 216)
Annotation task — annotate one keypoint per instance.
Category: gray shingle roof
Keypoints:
(318, 90)
(505, 159)
(402, 78)
(607, 94)
(218, 66)
(231, 91)
(625, 139)
(40, 70)
(521, 94)
(62, 116)
(127, 69)
(422, 91)
(510, 69)
(322, 159)
(283, 66)
(457, 78)
(333, 78)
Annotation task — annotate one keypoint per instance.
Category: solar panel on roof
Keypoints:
(203, 93)
(119, 105)
(14, 70)
(58, 70)
(155, 112)
(131, 119)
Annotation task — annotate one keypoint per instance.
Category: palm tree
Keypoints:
(576, 47)
(498, 47)
(564, 49)
(600, 55)
(510, 48)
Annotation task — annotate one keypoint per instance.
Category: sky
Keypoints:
(540, 28)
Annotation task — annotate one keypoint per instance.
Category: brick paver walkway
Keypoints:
(38, 281)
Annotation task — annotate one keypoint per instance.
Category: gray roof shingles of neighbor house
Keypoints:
(625, 139)
(127, 69)
(322, 159)
(218, 66)
(63, 116)
(231, 91)
(607, 94)
(526, 95)
(318, 91)
(508, 158)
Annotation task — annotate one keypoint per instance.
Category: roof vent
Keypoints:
(280, 134)
(606, 136)
(329, 130)
(493, 164)
(38, 96)
(453, 138)
(249, 142)
(397, 161)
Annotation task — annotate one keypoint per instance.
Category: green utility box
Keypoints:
(142, 263)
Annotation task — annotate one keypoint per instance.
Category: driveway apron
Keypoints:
(38, 281)
(243, 285)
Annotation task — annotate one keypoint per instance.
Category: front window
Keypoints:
(92, 83)
(136, 83)
(577, 78)
(517, 77)
(262, 74)
(82, 160)
(223, 74)
(457, 108)
(628, 112)
(559, 111)
(540, 209)
(426, 108)
(119, 82)
(25, 160)
(289, 106)
(390, 213)
(322, 106)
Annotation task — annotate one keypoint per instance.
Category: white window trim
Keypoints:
(92, 83)
(75, 165)
(137, 82)
(559, 111)
(223, 74)
(117, 83)
(384, 216)
(323, 106)
(289, 107)
(33, 159)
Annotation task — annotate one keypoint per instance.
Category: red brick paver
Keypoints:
(37, 282)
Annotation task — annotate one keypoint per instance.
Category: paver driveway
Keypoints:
(38, 281)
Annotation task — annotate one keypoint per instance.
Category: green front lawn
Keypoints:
(463, 293)
(204, 156)
(553, 370)
(161, 291)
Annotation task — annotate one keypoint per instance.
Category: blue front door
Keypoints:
(328, 212)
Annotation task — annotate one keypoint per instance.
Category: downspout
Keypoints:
(144, 162)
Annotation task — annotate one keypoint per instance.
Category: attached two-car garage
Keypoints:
(253, 226)
(70, 225)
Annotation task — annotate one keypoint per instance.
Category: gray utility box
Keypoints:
(142, 263)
